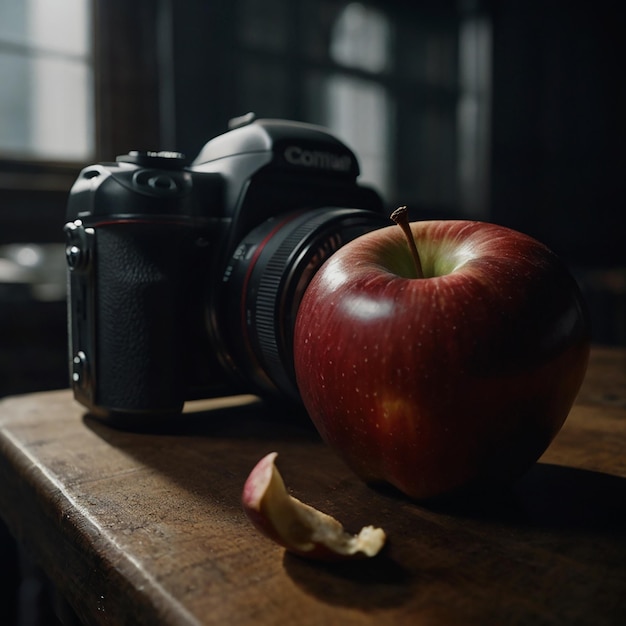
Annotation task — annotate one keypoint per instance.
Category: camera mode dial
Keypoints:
(163, 159)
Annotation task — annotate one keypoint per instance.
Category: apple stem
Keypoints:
(401, 217)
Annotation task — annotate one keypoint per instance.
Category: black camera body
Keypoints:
(184, 279)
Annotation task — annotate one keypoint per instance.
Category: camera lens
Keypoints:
(264, 284)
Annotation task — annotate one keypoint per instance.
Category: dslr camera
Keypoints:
(184, 278)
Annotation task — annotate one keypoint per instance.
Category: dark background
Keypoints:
(170, 75)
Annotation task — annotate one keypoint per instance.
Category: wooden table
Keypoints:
(147, 528)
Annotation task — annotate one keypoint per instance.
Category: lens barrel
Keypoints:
(264, 284)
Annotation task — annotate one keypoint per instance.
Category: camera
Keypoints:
(184, 278)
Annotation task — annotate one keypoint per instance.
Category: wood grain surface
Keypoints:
(147, 527)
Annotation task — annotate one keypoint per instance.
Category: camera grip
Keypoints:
(138, 328)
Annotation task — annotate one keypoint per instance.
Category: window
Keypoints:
(360, 39)
(46, 103)
(473, 112)
(408, 88)
(406, 85)
(79, 83)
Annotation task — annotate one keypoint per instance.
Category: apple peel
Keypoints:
(298, 527)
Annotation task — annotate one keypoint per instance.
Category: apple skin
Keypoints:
(298, 527)
(453, 382)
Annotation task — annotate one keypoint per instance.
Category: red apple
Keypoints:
(448, 368)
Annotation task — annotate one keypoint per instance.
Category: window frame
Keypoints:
(410, 95)
(33, 192)
(141, 103)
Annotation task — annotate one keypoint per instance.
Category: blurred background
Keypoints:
(506, 111)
